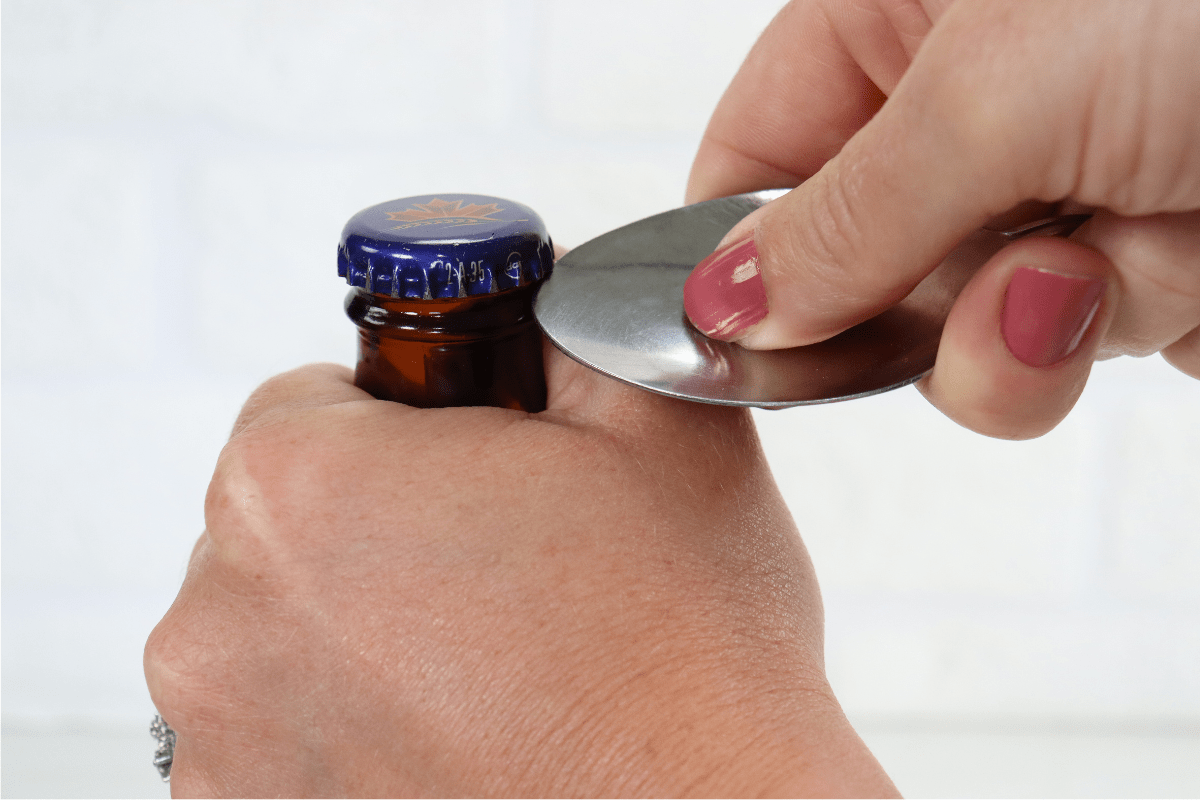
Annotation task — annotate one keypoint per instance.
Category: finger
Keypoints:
(571, 388)
(1020, 341)
(569, 384)
(188, 776)
(579, 396)
(1184, 354)
(574, 391)
(311, 386)
(171, 651)
(972, 129)
(1158, 260)
(818, 72)
(577, 393)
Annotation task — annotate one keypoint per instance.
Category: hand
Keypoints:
(911, 125)
(607, 598)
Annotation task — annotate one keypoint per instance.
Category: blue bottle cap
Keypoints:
(438, 246)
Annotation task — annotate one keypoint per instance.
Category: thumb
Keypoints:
(961, 140)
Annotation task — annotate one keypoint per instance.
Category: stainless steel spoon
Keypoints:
(615, 304)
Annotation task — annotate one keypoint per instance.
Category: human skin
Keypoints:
(912, 124)
(607, 598)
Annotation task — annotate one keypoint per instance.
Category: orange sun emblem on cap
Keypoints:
(444, 212)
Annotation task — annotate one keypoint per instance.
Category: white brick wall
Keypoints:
(175, 179)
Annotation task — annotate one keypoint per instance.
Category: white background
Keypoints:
(1003, 618)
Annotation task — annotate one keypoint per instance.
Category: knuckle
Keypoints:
(820, 239)
(830, 253)
(181, 669)
(1159, 291)
(256, 487)
(982, 100)
(834, 230)
(235, 508)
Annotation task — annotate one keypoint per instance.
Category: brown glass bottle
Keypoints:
(443, 300)
(470, 351)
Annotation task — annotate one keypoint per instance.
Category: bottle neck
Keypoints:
(454, 319)
(470, 351)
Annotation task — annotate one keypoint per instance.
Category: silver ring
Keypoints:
(164, 754)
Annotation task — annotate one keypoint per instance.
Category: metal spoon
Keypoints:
(615, 304)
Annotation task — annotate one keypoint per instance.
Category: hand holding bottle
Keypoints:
(911, 124)
(608, 598)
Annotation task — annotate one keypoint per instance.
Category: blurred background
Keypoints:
(1004, 619)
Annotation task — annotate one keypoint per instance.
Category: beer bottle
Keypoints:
(442, 295)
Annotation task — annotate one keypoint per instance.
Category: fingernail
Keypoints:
(724, 295)
(1046, 314)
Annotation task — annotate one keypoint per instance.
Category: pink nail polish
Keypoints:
(724, 295)
(1046, 314)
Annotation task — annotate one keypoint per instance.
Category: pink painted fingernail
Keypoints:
(1046, 314)
(724, 295)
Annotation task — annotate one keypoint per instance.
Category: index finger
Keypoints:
(311, 386)
(817, 74)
